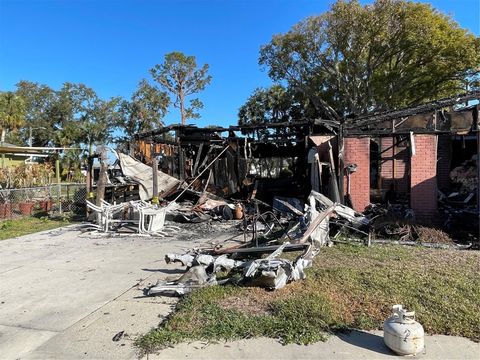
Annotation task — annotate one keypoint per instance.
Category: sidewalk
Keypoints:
(356, 345)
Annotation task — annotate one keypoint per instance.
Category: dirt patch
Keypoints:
(256, 301)
(248, 305)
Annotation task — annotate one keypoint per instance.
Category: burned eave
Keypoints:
(429, 118)
(305, 126)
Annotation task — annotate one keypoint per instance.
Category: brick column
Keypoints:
(423, 179)
(357, 151)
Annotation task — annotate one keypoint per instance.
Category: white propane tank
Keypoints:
(402, 333)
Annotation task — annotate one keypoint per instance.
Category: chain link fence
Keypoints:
(54, 199)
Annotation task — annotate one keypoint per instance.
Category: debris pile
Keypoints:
(261, 261)
(430, 235)
(459, 206)
(407, 232)
(272, 216)
(464, 177)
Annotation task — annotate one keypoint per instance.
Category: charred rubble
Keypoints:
(407, 176)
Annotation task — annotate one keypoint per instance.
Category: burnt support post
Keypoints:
(102, 176)
(89, 182)
(181, 164)
(476, 121)
(154, 175)
(341, 163)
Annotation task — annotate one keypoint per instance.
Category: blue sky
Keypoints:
(110, 45)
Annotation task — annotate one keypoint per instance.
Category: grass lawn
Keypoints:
(348, 287)
(28, 225)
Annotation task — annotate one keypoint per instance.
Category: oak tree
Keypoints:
(360, 58)
(275, 104)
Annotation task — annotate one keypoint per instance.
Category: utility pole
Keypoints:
(30, 142)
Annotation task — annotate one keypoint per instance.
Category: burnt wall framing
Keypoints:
(193, 147)
(272, 154)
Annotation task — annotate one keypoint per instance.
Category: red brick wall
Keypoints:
(357, 151)
(394, 164)
(444, 159)
(423, 192)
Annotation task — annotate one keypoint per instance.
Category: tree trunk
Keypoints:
(182, 108)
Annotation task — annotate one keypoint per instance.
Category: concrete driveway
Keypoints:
(64, 294)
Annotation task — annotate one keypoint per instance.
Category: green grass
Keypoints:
(348, 287)
(28, 225)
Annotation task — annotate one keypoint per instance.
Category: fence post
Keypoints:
(57, 172)
(68, 197)
(50, 193)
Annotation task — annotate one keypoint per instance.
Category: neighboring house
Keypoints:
(14, 155)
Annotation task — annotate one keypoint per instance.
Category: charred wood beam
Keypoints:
(385, 132)
(191, 129)
(166, 142)
(205, 159)
(261, 249)
(197, 159)
(423, 108)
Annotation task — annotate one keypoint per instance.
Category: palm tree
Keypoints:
(12, 112)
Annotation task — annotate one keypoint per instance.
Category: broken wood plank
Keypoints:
(261, 249)
(335, 190)
(197, 159)
(316, 222)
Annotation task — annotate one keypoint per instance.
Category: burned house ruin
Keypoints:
(403, 156)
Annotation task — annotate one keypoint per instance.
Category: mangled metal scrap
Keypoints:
(218, 262)
(184, 259)
(342, 211)
(309, 234)
(193, 278)
(270, 272)
(202, 270)
(273, 273)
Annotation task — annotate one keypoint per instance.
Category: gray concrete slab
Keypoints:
(15, 341)
(56, 286)
(49, 299)
(91, 338)
(356, 345)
